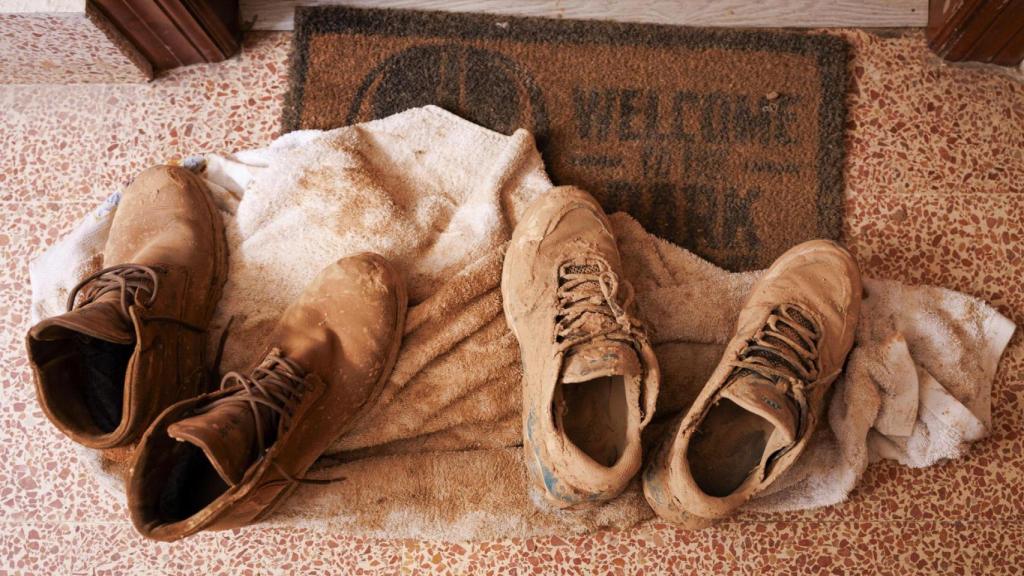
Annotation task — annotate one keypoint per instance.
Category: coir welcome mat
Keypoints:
(727, 142)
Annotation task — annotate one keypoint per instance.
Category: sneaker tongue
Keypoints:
(762, 397)
(600, 359)
(101, 319)
(583, 266)
(227, 435)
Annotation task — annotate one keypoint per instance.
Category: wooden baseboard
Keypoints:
(278, 14)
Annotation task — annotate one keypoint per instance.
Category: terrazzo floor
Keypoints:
(935, 194)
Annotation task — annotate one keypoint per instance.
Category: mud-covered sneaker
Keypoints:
(761, 405)
(590, 378)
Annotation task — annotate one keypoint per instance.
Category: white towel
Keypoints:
(439, 456)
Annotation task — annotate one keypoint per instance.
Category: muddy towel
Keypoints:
(439, 458)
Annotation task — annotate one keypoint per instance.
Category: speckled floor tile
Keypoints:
(918, 125)
(115, 548)
(63, 47)
(956, 241)
(40, 470)
(934, 179)
(26, 228)
(35, 548)
(99, 136)
(881, 548)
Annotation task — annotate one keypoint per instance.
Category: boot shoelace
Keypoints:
(277, 384)
(131, 281)
(592, 289)
(785, 350)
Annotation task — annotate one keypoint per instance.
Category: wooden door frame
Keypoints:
(172, 33)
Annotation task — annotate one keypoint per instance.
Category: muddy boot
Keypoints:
(590, 378)
(225, 459)
(133, 340)
(761, 405)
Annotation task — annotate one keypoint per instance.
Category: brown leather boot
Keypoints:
(134, 338)
(755, 415)
(226, 459)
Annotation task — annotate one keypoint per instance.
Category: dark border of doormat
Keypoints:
(831, 53)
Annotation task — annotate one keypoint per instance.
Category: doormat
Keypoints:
(726, 142)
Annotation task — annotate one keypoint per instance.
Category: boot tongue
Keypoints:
(599, 359)
(101, 319)
(762, 397)
(227, 435)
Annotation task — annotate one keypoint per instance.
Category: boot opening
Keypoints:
(727, 447)
(82, 379)
(103, 366)
(594, 417)
(171, 482)
(191, 484)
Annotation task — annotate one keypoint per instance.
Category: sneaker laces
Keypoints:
(784, 350)
(131, 281)
(589, 291)
(786, 347)
(277, 384)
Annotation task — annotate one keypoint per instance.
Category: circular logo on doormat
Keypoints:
(482, 86)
